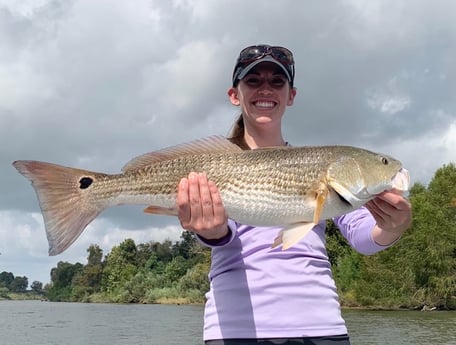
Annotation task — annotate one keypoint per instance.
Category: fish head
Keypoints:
(358, 175)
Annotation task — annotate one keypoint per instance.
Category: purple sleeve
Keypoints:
(222, 241)
(357, 228)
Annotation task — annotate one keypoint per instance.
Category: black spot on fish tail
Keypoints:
(85, 182)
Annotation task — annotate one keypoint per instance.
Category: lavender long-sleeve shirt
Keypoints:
(260, 292)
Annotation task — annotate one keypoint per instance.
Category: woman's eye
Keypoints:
(253, 81)
(278, 82)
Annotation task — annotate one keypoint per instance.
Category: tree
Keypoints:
(120, 266)
(88, 280)
(6, 278)
(95, 255)
(62, 275)
(184, 247)
(432, 249)
(37, 287)
(421, 268)
(62, 281)
(175, 270)
(128, 251)
(4, 292)
(19, 284)
(151, 255)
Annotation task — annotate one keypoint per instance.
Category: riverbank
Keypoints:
(23, 296)
(99, 299)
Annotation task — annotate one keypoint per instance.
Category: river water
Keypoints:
(47, 323)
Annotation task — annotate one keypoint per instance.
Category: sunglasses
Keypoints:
(252, 53)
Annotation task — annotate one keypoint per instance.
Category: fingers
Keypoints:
(218, 207)
(205, 198)
(395, 199)
(182, 201)
(200, 206)
(391, 211)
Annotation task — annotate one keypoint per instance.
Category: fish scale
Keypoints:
(293, 187)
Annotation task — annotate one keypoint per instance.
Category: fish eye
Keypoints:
(385, 161)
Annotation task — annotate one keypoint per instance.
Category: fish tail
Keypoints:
(64, 198)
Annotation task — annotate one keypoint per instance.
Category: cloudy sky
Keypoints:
(93, 83)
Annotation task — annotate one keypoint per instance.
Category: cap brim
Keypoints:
(267, 58)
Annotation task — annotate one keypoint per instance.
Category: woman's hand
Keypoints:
(200, 207)
(393, 214)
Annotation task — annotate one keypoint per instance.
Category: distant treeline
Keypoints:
(9, 283)
(146, 273)
(419, 270)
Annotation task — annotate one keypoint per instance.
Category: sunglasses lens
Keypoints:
(252, 53)
(283, 55)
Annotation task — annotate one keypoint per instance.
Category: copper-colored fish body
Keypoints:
(294, 187)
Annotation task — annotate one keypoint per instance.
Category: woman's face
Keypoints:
(263, 95)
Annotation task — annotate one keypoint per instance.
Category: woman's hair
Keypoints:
(236, 134)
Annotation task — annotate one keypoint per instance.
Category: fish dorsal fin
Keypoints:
(212, 144)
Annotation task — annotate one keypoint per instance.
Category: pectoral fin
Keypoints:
(291, 234)
(322, 193)
(171, 211)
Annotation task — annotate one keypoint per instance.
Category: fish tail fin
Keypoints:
(63, 195)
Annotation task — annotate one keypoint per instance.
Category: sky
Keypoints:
(94, 83)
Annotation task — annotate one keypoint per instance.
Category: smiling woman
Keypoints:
(246, 304)
(92, 83)
(268, 105)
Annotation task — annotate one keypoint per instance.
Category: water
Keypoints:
(47, 323)
(401, 327)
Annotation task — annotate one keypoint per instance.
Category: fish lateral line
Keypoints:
(261, 186)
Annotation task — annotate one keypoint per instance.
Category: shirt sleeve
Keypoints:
(357, 228)
(232, 226)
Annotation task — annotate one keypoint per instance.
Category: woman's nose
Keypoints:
(265, 89)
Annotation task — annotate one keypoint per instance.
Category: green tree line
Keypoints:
(418, 270)
(15, 284)
(145, 273)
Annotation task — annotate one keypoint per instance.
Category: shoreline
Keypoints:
(30, 296)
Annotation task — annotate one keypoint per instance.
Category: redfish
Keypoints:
(293, 187)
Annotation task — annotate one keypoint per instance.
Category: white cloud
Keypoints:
(20, 233)
(389, 99)
(24, 8)
(388, 104)
(93, 83)
(448, 144)
(23, 242)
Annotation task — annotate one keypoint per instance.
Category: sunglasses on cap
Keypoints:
(252, 53)
(249, 57)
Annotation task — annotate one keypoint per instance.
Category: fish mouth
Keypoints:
(401, 181)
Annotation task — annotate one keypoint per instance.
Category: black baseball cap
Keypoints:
(251, 56)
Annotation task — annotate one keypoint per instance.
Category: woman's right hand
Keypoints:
(200, 207)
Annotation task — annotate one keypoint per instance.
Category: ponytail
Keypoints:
(236, 134)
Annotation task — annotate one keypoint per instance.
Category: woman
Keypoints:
(263, 295)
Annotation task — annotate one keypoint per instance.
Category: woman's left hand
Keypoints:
(393, 214)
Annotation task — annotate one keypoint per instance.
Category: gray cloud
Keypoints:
(94, 83)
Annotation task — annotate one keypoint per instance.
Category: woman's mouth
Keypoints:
(264, 104)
